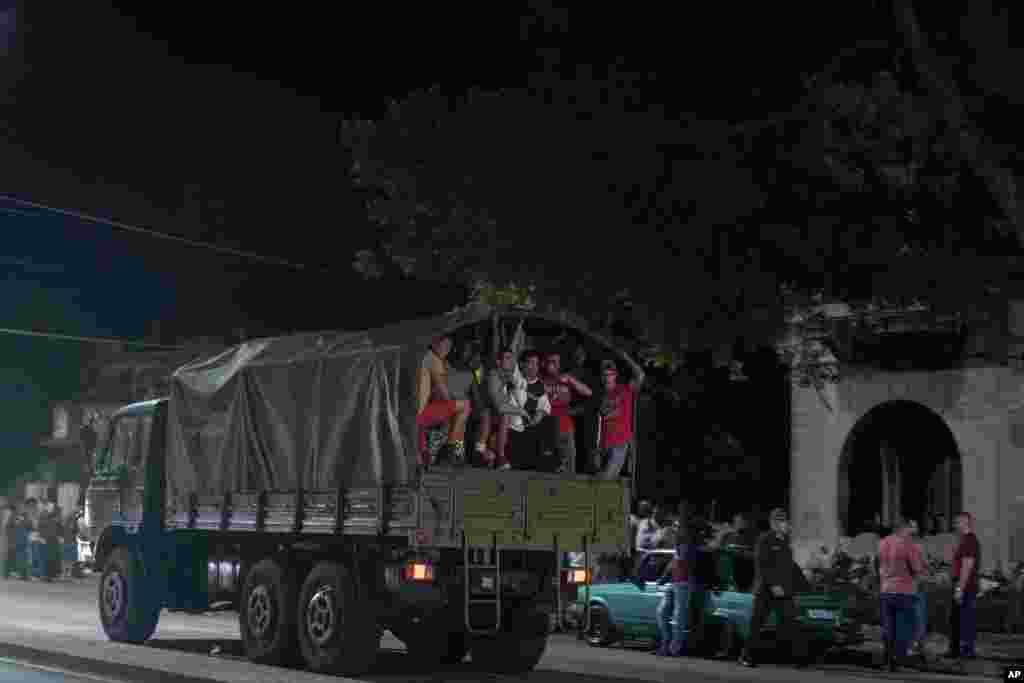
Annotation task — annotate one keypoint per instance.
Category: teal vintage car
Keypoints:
(627, 610)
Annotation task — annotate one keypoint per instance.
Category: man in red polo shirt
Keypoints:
(616, 414)
(966, 563)
(560, 389)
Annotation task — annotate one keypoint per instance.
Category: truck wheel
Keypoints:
(129, 611)
(508, 653)
(337, 632)
(518, 648)
(266, 614)
(432, 644)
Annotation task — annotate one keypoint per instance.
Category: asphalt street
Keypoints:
(56, 626)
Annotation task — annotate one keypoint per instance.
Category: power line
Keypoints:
(149, 232)
(89, 340)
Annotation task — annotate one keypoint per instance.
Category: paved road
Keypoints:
(12, 671)
(56, 625)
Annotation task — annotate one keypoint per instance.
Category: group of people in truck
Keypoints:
(523, 412)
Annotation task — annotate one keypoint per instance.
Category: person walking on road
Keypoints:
(773, 589)
(899, 564)
(966, 563)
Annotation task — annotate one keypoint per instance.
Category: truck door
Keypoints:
(117, 491)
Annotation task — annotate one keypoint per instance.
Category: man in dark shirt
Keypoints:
(742, 533)
(773, 589)
(966, 563)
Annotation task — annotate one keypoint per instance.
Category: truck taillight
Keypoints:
(574, 576)
(419, 571)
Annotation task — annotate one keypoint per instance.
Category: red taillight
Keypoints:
(573, 577)
(419, 571)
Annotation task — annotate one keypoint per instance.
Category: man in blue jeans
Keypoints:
(675, 606)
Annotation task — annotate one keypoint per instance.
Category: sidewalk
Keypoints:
(995, 651)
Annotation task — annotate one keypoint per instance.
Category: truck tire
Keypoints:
(338, 632)
(129, 609)
(518, 648)
(266, 614)
(432, 644)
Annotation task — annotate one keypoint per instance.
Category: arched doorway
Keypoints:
(899, 459)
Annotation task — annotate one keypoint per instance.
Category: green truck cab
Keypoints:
(279, 478)
(627, 610)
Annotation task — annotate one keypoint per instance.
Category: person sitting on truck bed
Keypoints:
(435, 404)
(465, 382)
(532, 441)
(505, 384)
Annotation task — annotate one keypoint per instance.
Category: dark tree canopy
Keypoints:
(878, 175)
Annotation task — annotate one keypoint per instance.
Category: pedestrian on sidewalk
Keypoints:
(36, 549)
(675, 605)
(966, 563)
(921, 633)
(900, 563)
(8, 539)
(773, 589)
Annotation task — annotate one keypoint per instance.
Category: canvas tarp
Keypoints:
(316, 411)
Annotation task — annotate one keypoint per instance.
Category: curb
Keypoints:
(89, 666)
(123, 662)
(936, 664)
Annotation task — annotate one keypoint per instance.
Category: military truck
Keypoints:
(280, 478)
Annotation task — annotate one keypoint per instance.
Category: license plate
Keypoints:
(821, 614)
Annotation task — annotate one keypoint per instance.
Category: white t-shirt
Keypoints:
(647, 534)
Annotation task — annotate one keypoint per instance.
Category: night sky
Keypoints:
(124, 111)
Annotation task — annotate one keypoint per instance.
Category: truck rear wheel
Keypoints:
(518, 648)
(432, 644)
(129, 610)
(266, 614)
(338, 632)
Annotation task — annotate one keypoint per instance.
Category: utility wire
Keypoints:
(90, 340)
(149, 232)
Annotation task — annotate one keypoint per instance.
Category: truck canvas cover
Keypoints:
(314, 411)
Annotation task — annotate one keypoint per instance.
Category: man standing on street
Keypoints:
(966, 563)
(899, 564)
(773, 589)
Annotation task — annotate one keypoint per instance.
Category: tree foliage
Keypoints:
(876, 180)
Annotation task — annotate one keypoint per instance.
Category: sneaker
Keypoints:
(747, 661)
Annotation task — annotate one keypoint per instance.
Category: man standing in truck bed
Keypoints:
(434, 403)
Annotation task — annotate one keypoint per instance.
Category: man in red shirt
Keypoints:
(616, 414)
(560, 390)
(966, 563)
(899, 563)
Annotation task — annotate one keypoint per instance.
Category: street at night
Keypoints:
(56, 625)
(372, 341)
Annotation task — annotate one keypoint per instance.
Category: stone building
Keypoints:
(926, 442)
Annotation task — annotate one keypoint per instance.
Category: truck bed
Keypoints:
(517, 510)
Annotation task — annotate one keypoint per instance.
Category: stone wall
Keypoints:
(983, 408)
